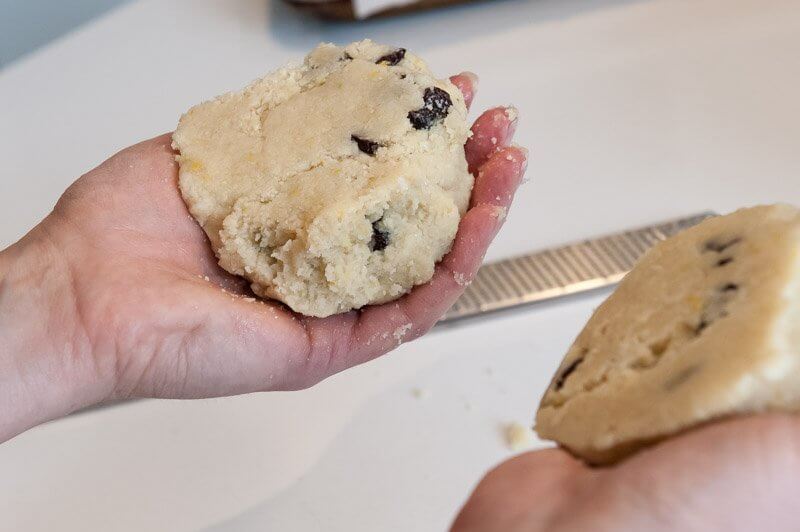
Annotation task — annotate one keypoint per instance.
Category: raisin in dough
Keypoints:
(706, 325)
(333, 184)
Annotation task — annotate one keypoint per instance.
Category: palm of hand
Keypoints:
(738, 475)
(162, 319)
(149, 294)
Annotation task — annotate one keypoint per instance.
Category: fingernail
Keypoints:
(513, 118)
(512, 113)
(525, 153)
(473, 78)
(499, 214)
(523, 160)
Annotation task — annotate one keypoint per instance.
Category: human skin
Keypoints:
(117, 293)
(737, 475)
(107, 299)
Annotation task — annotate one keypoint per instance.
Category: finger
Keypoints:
(357, 337)
(739, 439)
(730, 473)
(262, 348)
(161, 141)
(528, 488)
(467, 83)
(206, 342)
(377, 330)
(499, 177)
(492, 131)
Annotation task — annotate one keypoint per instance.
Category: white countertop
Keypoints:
(635, 112)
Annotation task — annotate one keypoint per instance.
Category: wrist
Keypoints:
(46, 364)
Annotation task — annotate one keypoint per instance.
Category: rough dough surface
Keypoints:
(707, 325)
(333, 184)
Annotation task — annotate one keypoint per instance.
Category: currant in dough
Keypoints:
(707, 325)
(333, 184)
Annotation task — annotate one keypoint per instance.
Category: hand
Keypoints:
(741, 474)
(117, 293)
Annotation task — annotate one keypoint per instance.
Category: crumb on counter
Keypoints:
(519, 437)
(420, 393)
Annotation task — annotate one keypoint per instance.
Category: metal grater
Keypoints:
(561, 271)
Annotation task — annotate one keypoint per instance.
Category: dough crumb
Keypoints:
(400, 332)
(420, 393)
(500, 213)
(461, 279)
(519, 437)
(512, 113)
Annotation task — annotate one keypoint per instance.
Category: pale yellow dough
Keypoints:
(291, 202)
(706, 326)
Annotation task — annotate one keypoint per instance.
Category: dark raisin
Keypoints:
(380, 238)
(392, 58)
(723, 262)
(402, 76)
(367, 146)
(716, 307)
(562, 378)
(438, 99)
(421, 119)
(437, 105)
(347, 57)
(720, 246)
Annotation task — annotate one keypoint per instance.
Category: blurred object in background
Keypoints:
(361, 9)
(28, 24)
